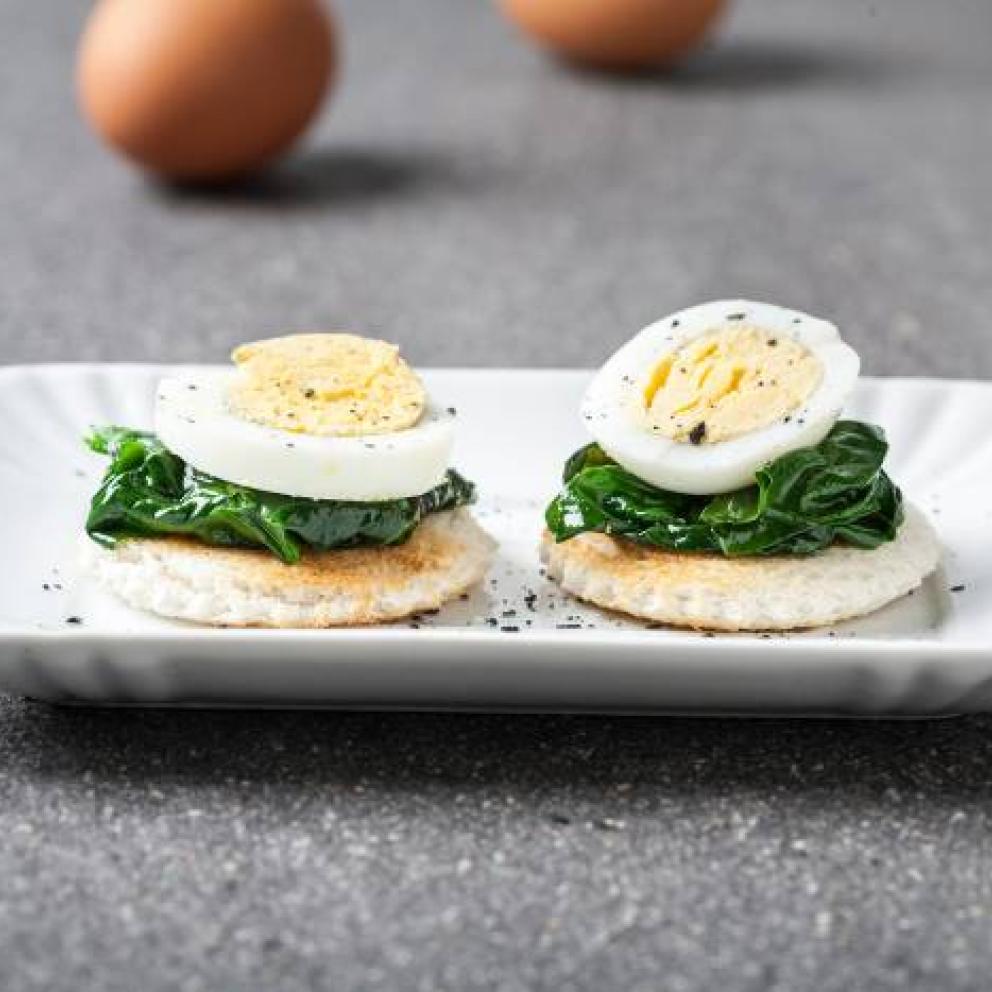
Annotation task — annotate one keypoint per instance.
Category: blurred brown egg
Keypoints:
(204, 89)
(616, 34)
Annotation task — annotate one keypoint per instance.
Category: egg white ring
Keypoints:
(193, 420)
(613, 406)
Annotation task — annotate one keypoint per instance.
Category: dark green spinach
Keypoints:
(801, 502)
(149, 491)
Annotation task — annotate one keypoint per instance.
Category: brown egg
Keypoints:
(204, 89)
(616, 34)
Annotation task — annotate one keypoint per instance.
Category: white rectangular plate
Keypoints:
(517, 642)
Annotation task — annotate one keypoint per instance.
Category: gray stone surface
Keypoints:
(482, 205)
(368, 852)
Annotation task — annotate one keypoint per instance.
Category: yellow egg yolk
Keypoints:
(728, 383)
(330, 385)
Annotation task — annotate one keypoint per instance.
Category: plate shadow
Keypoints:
(527, 754)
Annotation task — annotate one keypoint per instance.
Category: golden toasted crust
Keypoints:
(371, 570)
(710, 592)
(187, 580)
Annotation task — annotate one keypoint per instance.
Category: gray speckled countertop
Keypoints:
(483, 206)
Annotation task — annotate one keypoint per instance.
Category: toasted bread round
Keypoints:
(187, 580)
(710, 592)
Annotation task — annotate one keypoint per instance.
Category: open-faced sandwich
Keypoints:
(722, 490)
(309, 486)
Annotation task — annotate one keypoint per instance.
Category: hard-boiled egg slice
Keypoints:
(337, 384)
(698, 401)
(194, 419)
